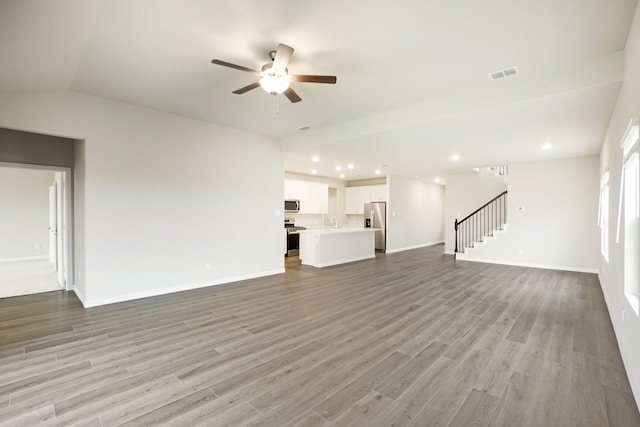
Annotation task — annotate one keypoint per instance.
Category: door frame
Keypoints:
(65, 257)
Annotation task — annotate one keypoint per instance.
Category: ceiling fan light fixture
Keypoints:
(274, 82)
(274, 76)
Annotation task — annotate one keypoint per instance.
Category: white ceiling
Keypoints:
(413, 84)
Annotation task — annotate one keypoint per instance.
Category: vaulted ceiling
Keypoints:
(413, 76)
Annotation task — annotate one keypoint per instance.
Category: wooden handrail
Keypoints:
(494, 219)
(482, 207)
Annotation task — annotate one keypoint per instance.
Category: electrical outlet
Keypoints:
(37, 246)
(207, 266)
(520, 251)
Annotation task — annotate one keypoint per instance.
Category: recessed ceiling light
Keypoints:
(342, 175)
(437, 180)
(546, 147)
(314, 171)
(315, 159)
(338, 168)
(455, 157)
(350, 166)
(377, 171)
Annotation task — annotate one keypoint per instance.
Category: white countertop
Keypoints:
(326, 230)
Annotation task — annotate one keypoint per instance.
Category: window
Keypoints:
(603, 215)
(630, 198)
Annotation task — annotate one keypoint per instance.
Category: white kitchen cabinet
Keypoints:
(293, 189)
(351, 201)
(316, 200)
(378, 193)
(356, 197)
(313, 196)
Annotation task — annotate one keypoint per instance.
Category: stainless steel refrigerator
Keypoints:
(375, 216)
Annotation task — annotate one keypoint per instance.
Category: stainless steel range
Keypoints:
(293, 238)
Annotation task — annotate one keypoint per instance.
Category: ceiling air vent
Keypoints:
(507, 72)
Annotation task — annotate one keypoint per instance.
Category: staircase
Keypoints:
(484, 222)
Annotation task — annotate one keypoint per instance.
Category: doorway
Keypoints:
(35, 221)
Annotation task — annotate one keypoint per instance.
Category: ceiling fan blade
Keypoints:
(230, 65)
(246, 88)
(292, 95)
(282, 58)
(314, 79)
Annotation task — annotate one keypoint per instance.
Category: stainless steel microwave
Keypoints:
(292, 205)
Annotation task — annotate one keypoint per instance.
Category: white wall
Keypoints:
(612, 273)
(552, 216)
(159, 196)
(78, 281)
(415, 214)
(464, 193)
(24, 213)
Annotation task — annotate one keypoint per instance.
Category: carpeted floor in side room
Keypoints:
(27, 277)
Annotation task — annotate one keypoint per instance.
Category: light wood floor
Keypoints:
(412, 338)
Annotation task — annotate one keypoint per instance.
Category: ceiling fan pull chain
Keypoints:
(276, 111)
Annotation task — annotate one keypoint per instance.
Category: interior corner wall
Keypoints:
(415, 213)
(464, 193)
(24, 217)
(166, 203)
(79, 221)
(625, 322)
(552, 217)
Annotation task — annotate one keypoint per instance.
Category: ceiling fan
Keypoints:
(274, 76)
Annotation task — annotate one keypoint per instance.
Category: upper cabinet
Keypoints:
(313, 196)
(354, 200)
(356, 197)
(378, 193)
(293, 189)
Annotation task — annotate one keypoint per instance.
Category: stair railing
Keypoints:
(481, 222)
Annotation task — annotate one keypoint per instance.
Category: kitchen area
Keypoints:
(333, 224)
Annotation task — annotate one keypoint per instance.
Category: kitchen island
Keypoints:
(322, 247)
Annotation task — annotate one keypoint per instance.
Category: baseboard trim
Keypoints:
(87, 303)
(533, 265)
(408, 248)
(80, 296)
(24, 258)
(626, 360)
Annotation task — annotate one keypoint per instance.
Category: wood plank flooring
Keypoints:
(406, 339)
